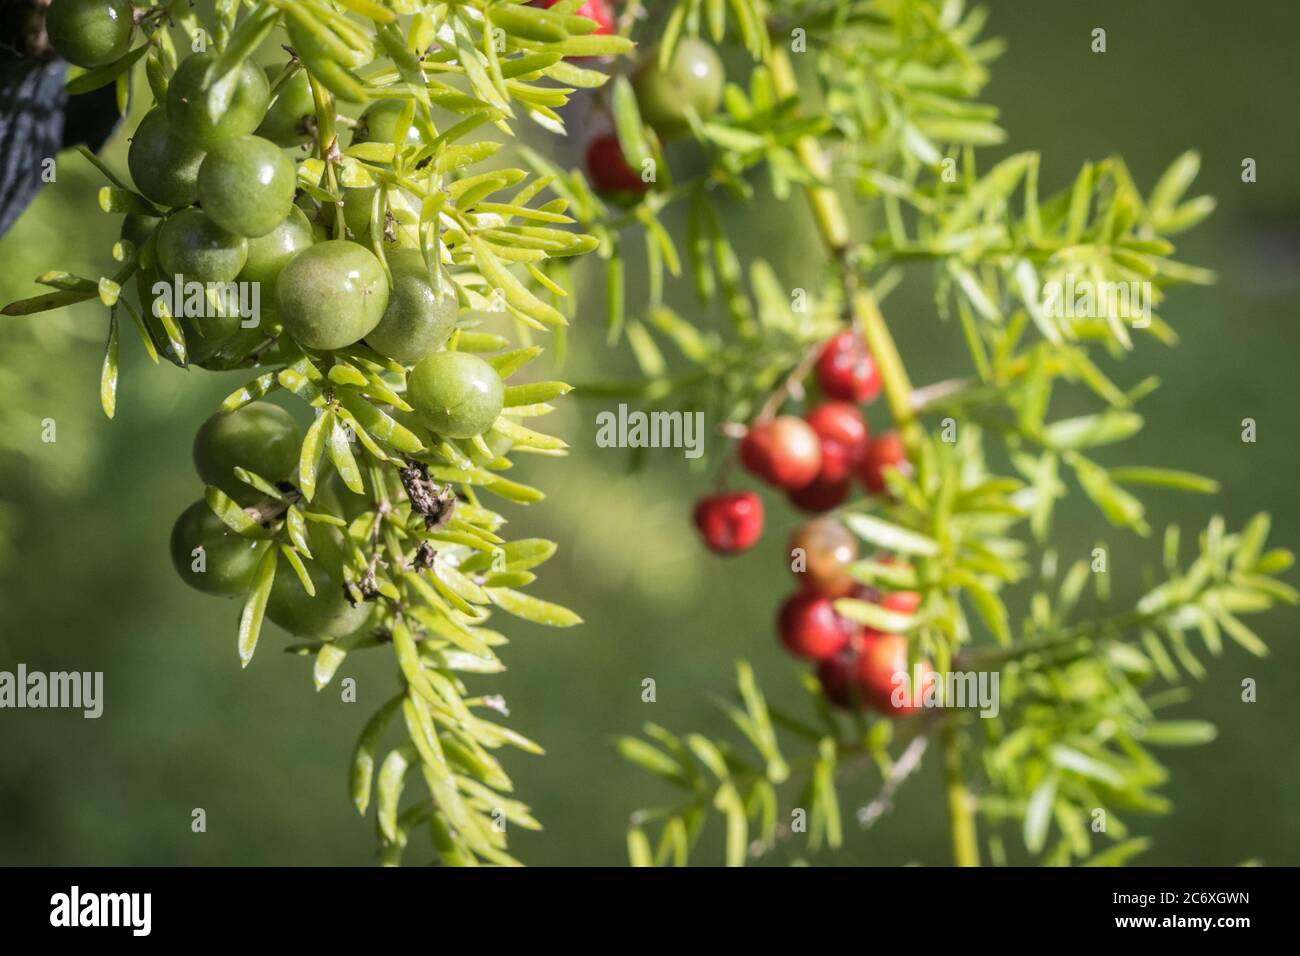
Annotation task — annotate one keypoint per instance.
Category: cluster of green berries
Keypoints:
(263, 439)
(217, 159)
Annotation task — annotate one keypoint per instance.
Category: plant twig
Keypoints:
(906, 764)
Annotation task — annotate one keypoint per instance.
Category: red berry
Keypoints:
(820, 495)
(608, 169)
(784, 451)
(882, 670)
(597, 10)
(901, 602)
(847, 371)
(843, 434)
(809, 627)
(828, 550)
(836, 675)
(730, 522)
(883, 451)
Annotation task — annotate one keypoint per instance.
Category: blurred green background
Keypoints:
(85, 583)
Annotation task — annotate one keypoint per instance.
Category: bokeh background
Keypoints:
(85, 581)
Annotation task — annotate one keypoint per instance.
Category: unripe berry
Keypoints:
(458, 394)
(228, 560)
(418, 319)
(246, 185)
(883, 451)
(89, 33)
(809, 627)
(828, 550)
(194, 247)
(846, 370)
(327, 615)
(730, 522)
(261, 437)
(378, 124)
(783, 451)
(290, 117)
(332, 294)
(205, 116)
(164, 167)
(608, 169)
(693, 79)
(269, 254)
(843, 434)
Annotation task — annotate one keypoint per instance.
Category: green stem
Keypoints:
(832, 225)
(961, 817)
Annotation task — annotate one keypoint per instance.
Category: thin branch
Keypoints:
(906, 764)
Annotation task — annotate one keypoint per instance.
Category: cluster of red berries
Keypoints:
(812, 459)
(857, 666)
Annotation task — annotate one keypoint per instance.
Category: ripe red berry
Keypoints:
(882, 670)
(597, 10)
(847, 371)
(819, 495)
(608, 170)
(901, 602)
(827, 549)
(843, 434)
(730, 522)
(809, 627)
(883, 451)
(783, 451)
(837, 676)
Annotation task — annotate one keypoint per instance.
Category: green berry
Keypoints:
(260, 437)
(207, 335)
(246, 185)
(288, 120)
(327, 615)
(138, 229)
(193, 246)
(402, 228)
(165, 167)
(458, 394)
(693, 79)
(378, 124)
(233, 107)
(269, 254)
(337, 498)
(418, 320)
(89, 33)
(357, 206)
(332, 294)
(226, 562)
